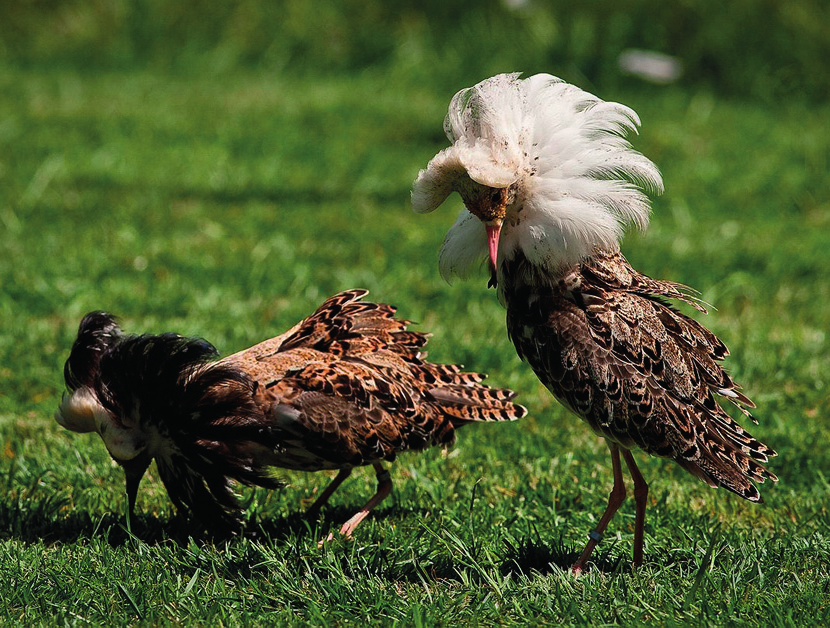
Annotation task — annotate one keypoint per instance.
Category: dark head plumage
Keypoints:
(97, 332)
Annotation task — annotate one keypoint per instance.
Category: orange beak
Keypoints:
(493, 231)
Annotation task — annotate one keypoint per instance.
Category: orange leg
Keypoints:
(384, 487)
(324, 496)
(640, 499)
(616, 498)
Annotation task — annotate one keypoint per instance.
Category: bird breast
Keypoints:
(122, 443)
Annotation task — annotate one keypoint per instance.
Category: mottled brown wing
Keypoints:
(613, 272)
(610, 278)
(342, 322)
(642, 374)
(345, 416)
(345, 324)
(350, 386)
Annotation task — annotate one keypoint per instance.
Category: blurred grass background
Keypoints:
(219, 169)
(747, 48)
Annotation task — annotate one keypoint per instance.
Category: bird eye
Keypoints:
(495, 196)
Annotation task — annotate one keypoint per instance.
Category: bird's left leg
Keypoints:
(324, 496)
(615, 499)
(384, 487)
(134, 470)
(640, 500)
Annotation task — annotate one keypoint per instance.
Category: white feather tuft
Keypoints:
(579, 183)
(464, 249)
(80, 411)
(435, 183)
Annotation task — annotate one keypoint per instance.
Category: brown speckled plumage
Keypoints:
(349, 387)
(346, 387)
(606, 343)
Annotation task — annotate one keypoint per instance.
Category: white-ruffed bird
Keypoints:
(346, 387)
(549, 184)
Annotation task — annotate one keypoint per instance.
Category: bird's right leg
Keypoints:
(640, 499)
(314, 509)
(615, 499)
(384, 488)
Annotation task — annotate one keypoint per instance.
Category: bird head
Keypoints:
(80, 410)
(544, 171)
(164, 398)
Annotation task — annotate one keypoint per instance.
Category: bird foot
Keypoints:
(330, 538)
(578, 570)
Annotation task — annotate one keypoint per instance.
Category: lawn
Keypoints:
(229, 205)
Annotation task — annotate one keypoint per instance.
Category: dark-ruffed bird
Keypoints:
(549, 184)
(348, 386)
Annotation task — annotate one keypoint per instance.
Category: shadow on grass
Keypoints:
(430, 555)
(33, 523)
(48, 520)
(297, 524)
(533, 556)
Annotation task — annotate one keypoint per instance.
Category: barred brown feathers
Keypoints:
(638, 371)
(352, 374)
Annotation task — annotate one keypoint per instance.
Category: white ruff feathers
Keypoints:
(578, 182)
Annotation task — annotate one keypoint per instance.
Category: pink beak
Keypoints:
(493, 231)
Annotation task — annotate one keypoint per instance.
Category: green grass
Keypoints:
(229, 206)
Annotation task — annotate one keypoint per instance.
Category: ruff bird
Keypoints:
(549, 184)
(346, 387)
